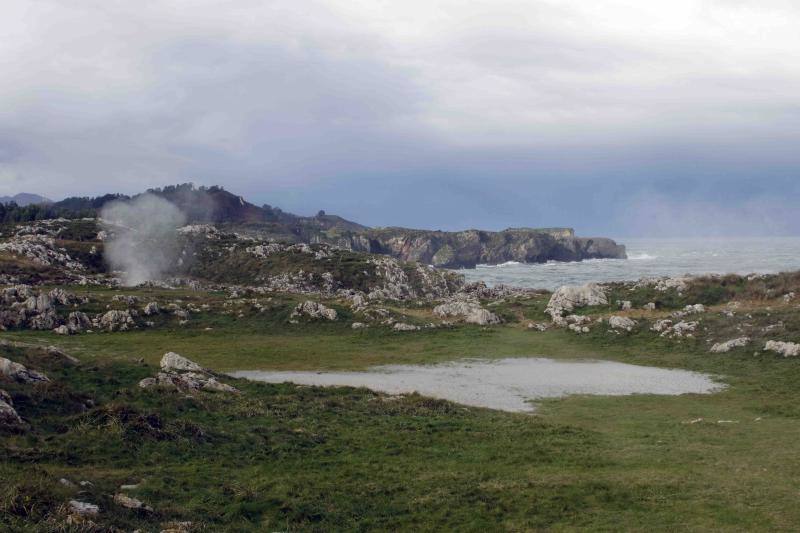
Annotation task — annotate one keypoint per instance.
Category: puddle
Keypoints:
(506, 384)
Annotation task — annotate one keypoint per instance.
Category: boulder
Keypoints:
(186, 381)
(62, 330)
(727, 346)
(469, 312)
(358, 325)
(690, 310)
(8, 415)
(180, 373)
(577, 328)
(569, 297)
(83, 508)
(20, 374)
(151, 309)
(115, 320)
(681, 329)
(313, 310)
(786, 349)
(176, 362)
(621, 322)
(400, 326)
(661, 325)
(538, 326)
(78, 321)
(130, 503)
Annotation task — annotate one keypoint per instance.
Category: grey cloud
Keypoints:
(499, 113)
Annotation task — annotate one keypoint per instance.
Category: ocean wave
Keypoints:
(500, 265)
(644, 256)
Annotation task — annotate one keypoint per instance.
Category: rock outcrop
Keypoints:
(469, 312)
(178, 372)
(312, 310)
(19, 373)
(727, 346)
(570, 297)
(8, 415)
(786, 349)
(621, 323)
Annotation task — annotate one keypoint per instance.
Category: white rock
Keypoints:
(400, 326)
(8, 415)
(83, 508)
(621, 322)
(19, 373)
(358, 325)
(469, 312)
(569, 297)
(786, 349)
(174, 361)
(130, 503)
(724, 347)
(314, 310)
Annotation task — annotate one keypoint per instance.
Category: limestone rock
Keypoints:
(83, 508)
(569, 297)
(78, 321)
(786, 349)
(724, 347)
(538, 326)
(690, 310)
(8, 415)
(470, 312)
(172, 361)
(621, 322)
(400, 326)
(151, 309)
(313, 310)
(20, 374)
(180, 373)
(130, 503)
(680, 329)
(115, 320)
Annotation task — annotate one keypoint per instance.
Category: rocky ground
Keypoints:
(107, 393)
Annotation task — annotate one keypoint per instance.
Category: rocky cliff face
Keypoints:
(466, 249)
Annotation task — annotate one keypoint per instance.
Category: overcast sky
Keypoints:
(616, 117)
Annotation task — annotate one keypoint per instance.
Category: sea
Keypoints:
(652, 258)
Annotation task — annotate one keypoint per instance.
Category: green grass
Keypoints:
(282, 457)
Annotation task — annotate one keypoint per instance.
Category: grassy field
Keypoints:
(283, 457)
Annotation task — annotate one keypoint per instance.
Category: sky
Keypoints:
(621, 118)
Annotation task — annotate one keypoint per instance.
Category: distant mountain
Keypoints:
(25, 198)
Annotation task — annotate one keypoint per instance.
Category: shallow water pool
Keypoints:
(506, 384)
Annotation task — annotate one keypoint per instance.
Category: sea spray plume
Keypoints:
(143, 237)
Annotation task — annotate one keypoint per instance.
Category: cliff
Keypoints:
(466, 249)
(461, 249)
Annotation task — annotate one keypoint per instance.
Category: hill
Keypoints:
(25, 198)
